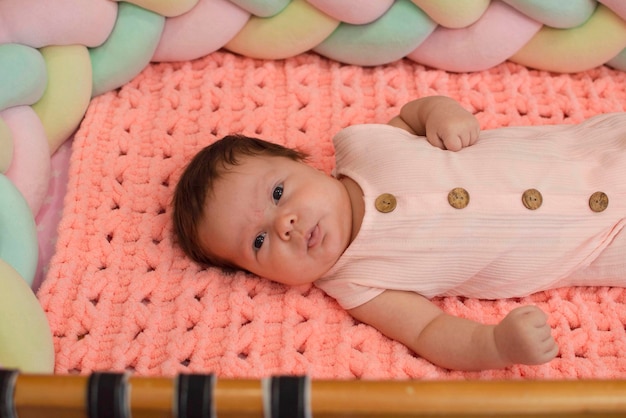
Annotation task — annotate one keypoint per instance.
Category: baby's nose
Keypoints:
(285, 224)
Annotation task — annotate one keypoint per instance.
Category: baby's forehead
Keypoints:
(246, 173)
(257, 169)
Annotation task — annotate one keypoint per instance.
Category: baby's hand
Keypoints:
(451, 127)
(524, 337)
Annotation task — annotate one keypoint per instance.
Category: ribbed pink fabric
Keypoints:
(120, 296)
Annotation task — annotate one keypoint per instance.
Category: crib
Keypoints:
(119, 395)
(104, 102)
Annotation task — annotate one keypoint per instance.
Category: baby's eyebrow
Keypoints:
(266, 183)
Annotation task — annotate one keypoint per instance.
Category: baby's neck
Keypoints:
(356, 202)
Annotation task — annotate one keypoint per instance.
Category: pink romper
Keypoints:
(496, 246)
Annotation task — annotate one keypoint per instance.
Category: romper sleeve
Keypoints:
(349, 295)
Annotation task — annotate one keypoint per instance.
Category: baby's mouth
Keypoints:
(313, 237)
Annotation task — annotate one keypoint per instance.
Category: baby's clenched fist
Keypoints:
(524, 337)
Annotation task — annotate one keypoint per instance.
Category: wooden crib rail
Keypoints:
(103, 395)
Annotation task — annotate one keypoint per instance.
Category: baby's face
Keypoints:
(278, 218)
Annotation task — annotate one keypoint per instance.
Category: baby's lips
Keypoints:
(313, 236)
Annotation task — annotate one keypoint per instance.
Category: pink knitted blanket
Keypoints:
(120, 296)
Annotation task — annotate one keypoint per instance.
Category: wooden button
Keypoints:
(532, 199)
(458, 198)
(598, 201)
(385, 203)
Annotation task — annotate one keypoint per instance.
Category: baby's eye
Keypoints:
(258, 241)
(277, 193)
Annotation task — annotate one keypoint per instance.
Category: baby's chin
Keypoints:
(307, 272)
(298, 281)
(296, 278)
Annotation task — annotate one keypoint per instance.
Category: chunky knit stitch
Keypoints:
(120, 295)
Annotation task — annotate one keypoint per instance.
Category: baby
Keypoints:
(404, 218)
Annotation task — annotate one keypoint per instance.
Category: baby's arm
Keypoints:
(441, 119)
(523, 336)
